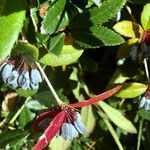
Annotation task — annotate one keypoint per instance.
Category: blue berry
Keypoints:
(79, 125)
(6, 71)
(12, 79)
(34, 86)
(35, 76)
(144, 102)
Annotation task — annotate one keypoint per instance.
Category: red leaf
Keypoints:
(41, 117)
(51, 131)
(96, 98)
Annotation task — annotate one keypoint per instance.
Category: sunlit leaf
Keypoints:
(11, 22)
(131, 90)
(145, 17)
(128, 29)
(88, 119)
(68, 55)
(117, 118)
(59, 143)
(25, 93)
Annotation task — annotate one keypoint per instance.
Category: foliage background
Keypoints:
(82, 55)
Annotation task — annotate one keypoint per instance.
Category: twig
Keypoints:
(146, 69)
(60, 103)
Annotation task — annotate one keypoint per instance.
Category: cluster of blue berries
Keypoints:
(20, 75)
(141, 50)
(72, 128)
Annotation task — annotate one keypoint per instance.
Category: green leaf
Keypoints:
(144, 114)
(97, 16)
(111, 130)
(13, 137)
(145, 17)
(88, 119)
(25, 117)
(56, 43)
(25, 93)
(131, 90)
(96, 2)
(53, 17)
(28, 51)
(35, 105)
(128, 29)
(34, 17)
(95, 37)
(67, 56)
(117, 118)
(59, 143)
(45, 98)
(12, 16)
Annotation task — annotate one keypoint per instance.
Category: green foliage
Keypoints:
(117, 118)
(13, 137)
(54, 17)
(96, 36)
(11, 22)
(145, 17)
(28, 51)
(98, 16)
(25, 117)
(67, 56)
(131, 90)
(83, 47)
(88, 119)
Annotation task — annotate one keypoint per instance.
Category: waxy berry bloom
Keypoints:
(145, 100)
(141, 50)
(18, 73)
(64, 121)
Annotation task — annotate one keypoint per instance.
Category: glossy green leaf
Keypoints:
(28, 51)
(88, 119)
(59, 143)
(131, 90)
(97, 16)
(13, 137)
(145, 17)
(12, 16)
(25, 93)
(128, 29)
(53, 17)
(25, 117)
(95, 37)
(144, 114)
(56, 43)
(117, 118)
(67, 56)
